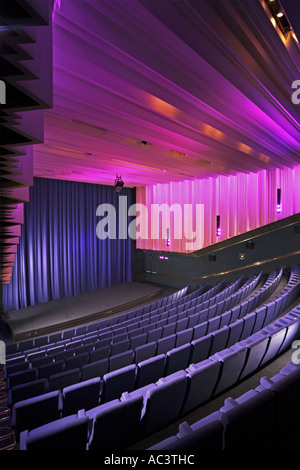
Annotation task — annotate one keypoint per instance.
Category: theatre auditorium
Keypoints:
(150, 227)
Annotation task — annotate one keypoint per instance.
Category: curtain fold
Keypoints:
(244, 202)
(59, 254)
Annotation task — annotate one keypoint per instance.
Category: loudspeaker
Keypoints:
(250, 245)
(212, 257)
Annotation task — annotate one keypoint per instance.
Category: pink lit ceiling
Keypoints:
(160, 91)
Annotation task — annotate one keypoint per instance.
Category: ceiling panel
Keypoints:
(161, 91)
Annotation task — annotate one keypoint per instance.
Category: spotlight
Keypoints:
(279, 206)
(218, 233)
(168, 239)
(119, 183)
(279, 16)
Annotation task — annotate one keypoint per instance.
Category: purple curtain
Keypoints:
(59, 253)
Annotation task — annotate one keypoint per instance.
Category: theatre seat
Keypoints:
(276, 339)
(166, 344)
(206, 434)
(115, 424)
(18, 367)
(27, 390)
(117, 382)
(145, 351)
(201, 348)
(94, 369)
(232, 363)
(286, 387)
(64, 379)
(219, 339)
(100, 353)
(201, 382)
(33, 412)
(22, 377)
(52, 368)
(83, 395)
(256, 349)
(249, 421)
(150, 370)
(121, 360)
(184, 337)
(68, 433)
(177, 359)
(163, 403)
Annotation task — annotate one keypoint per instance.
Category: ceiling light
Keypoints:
(280, 14)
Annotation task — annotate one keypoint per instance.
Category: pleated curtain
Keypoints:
(59, 253)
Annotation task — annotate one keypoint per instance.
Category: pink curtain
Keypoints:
(243, 202)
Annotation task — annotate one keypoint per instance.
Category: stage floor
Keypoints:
(66, 313)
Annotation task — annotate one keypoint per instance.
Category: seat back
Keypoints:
(121, 360)
(163, 403)
(177, 359)
(34, 412)
(116, 427)
(68, 433)
(232, 363)
(201, 381)
(250, 425)
(83, 395)
(50, 369)
(117, 382)
(27, 390)
(150, 370)
(94, 369)
(64, 379)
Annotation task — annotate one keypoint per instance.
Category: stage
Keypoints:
(46, 318)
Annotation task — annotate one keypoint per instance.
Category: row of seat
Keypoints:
(148, 330)
(173, 359)
(158, 321)
(116, 330)
(44, 367)
(138, 414)
(195, 351)
(110, 324)
(264, 418)
(174, 299)
(185, 329)
(165, 356)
